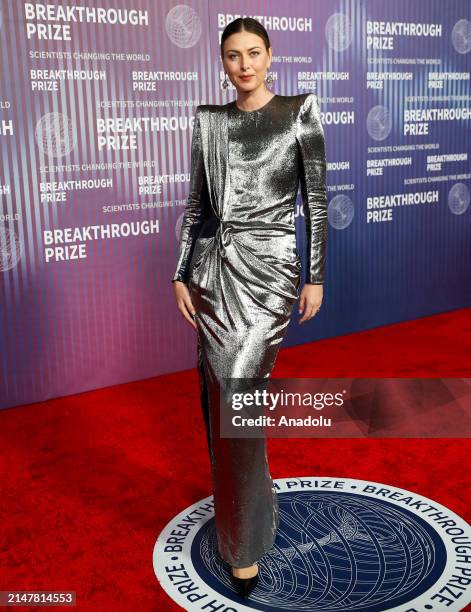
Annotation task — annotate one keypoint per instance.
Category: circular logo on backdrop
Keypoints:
(340, 211)
(459, 198)
(183, 26)
(342, 544)
(10, 248)
(55, 134)
(338, 32)
(379, 122)
(461, 36)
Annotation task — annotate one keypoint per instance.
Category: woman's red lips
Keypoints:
(246, 77)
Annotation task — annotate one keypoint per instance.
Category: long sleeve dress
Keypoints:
(237, 254)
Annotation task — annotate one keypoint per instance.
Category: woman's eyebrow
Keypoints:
(236, 51)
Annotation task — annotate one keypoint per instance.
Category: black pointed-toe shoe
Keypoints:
(244, 586)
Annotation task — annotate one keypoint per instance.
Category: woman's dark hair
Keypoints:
(246, 24)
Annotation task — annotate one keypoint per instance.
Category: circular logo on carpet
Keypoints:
(342, 544)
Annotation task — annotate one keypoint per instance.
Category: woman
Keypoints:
(238, 270)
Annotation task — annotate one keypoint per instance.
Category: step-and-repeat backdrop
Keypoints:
(96, 114)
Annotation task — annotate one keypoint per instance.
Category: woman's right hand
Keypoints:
(182, 296)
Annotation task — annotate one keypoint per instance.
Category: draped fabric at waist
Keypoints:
(263, 236)
(251, 258)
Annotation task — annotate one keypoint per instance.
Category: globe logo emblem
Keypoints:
(461, 36)
(459, 198)
(379, 122)
(329, 540)
(350, 549)
(183, 26)
(338, 32)
(10, 248)
(340, 211)
(55, 135)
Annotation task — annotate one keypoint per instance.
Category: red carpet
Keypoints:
(89, 481)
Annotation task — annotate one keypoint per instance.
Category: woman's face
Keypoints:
(245, 55)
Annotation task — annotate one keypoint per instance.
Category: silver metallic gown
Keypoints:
(237, 254)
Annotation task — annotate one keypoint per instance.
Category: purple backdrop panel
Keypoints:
(96, 116)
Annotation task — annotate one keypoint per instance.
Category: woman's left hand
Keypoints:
(310, 301)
